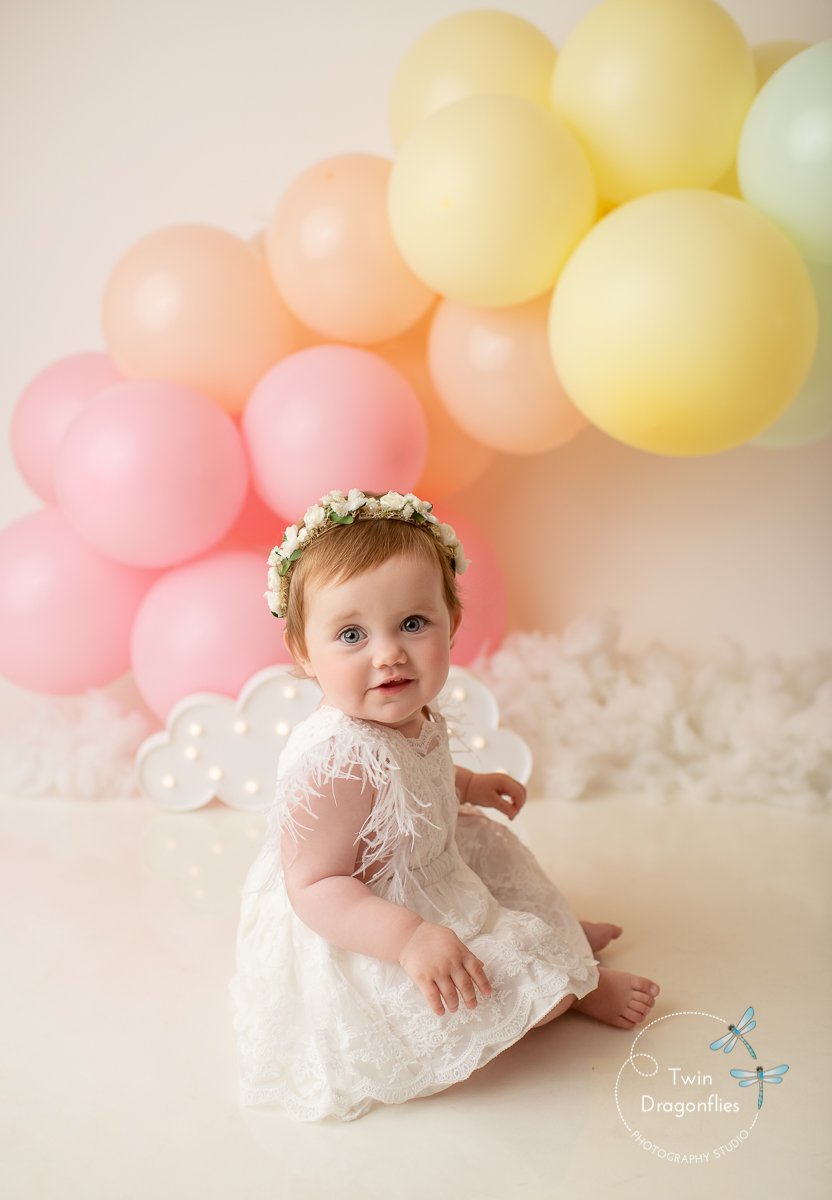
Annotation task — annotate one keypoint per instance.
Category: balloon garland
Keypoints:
(631, 231)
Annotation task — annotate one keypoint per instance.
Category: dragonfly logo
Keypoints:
(677, 1101)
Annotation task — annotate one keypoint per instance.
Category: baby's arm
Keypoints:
(345, 912)
(496, 790)
(319, 885)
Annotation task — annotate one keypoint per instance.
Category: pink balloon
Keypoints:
(45, 409)
(204, 627)
(151, 473)
(65, 610)
(332, 417)
(482, 590)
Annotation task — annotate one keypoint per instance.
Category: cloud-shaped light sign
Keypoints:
(217, 747)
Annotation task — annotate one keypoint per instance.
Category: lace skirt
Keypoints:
(324, 1032)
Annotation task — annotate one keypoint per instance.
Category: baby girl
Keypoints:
(393, 939)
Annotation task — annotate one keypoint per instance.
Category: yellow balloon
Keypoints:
(657, 93)
(768, 58)
(470, 53)
(685, 323)
(488, 197)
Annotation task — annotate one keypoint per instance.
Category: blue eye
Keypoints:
(350, 636)
(413, 624)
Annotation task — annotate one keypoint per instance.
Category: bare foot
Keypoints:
(600, 933)
(621, 999)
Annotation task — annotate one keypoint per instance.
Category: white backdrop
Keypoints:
(120, 116)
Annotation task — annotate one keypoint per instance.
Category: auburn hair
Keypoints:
(345, 551)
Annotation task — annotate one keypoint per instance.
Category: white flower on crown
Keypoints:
(292, 541)
(461, 563)
(314, 517)
(334, 507)
(448, 535)
(422, 507)
(394, 501)
(449, 538)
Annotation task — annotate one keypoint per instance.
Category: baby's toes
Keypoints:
(645, 989)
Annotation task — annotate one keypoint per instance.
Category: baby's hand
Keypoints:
(440, 964)
(496, 791)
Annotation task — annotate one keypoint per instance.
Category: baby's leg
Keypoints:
(508, 868)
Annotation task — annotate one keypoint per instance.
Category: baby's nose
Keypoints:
(388, 652)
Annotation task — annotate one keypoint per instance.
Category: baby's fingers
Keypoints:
(434, 998)
(476, 970)
(469, 977)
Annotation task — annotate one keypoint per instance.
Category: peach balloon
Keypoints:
(196, 305)
(333, 256)
(454, 459)
(47, 407)
(493, 370)
(204, 627)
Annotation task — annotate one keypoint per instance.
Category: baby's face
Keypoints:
(379, 644)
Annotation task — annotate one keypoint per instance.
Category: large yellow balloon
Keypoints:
(470, 53)
(685, 323)
(656, 91)
(487, 199)
(196, 305)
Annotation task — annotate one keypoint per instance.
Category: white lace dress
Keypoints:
(325, 1032)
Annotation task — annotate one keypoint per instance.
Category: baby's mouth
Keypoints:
(391, 684)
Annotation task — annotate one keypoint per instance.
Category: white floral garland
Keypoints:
(337, 509)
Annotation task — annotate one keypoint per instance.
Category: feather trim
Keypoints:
(330, 745)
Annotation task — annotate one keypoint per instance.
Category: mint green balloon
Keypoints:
(784, 160)
(809, 417)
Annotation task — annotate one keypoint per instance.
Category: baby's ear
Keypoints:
(302, 668)
(456, 621)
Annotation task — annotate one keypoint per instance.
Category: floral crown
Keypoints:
(335, 509)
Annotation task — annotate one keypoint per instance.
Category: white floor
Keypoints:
(117, 1076)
